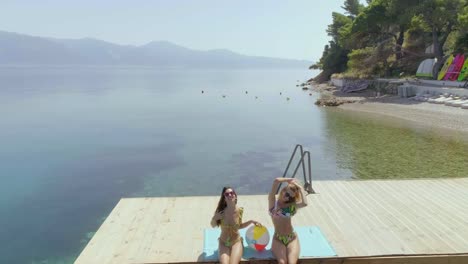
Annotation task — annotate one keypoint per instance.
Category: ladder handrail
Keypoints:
(307, 182)
(292, 157)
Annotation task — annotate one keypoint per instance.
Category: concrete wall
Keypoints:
(411, 88)
(441, 83)
(337, 82)
(408, 90)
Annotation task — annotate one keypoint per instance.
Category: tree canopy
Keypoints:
(390, 37)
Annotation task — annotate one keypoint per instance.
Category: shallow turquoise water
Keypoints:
(76, 140)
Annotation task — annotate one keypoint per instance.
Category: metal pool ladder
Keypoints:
(307, 177)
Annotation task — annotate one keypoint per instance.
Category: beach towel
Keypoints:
(313, 244)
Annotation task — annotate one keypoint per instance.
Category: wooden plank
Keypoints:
(103, 246)
(379, 219)
(442, 219)
(403, 259)
(397, 202)
(364, 221)
(423, 218)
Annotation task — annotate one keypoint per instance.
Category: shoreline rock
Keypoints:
(420, 113)
(331, 96)
(332, 101)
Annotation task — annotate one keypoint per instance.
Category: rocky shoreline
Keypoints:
(420, 113)
(331, 96)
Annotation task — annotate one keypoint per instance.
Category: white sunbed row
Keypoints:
(446, 99)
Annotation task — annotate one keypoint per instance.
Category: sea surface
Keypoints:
(74, 140)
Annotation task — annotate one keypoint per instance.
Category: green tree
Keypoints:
(442, 18)
(373, 40)
(384, 19)
(335, 30)
(352, 7)
(462, 40)
(388, 36)
(334, 57)
(384, 25)
(400, 14)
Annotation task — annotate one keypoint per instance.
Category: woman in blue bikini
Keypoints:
(228, 216)
(285, 245)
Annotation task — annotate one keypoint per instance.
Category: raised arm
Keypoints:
(303, 202)
(274, 187)
(272, 194)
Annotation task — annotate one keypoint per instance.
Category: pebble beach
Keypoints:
(421, 113)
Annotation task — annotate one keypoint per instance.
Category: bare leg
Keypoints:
(279, 251)
(224, 253)
(236, 252)
(294, 249)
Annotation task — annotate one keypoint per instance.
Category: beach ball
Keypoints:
(257, 237)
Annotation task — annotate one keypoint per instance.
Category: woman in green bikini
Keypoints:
(285, 245)
(228, 216)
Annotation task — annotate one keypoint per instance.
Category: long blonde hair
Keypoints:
(296, 189)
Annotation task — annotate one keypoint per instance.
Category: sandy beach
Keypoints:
(419, 113)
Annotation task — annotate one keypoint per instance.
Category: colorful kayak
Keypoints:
(454, 70)
(463, 72)
(444, 69)
(451, 67)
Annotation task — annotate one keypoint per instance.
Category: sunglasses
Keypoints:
(229, 194)
(288, 195)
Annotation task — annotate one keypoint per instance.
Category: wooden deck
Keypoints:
(377, 221)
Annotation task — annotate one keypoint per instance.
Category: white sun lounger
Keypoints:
(454, 99)
(443, 99)
(437, 97)
(459, 102)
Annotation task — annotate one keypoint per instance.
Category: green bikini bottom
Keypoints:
(228, 243)
(287, 238)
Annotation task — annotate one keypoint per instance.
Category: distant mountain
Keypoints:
(17, 49)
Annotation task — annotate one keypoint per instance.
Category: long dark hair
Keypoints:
(222, 202)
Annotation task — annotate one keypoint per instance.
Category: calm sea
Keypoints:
(74, 140)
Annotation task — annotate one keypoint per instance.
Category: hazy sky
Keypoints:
(287, 29)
